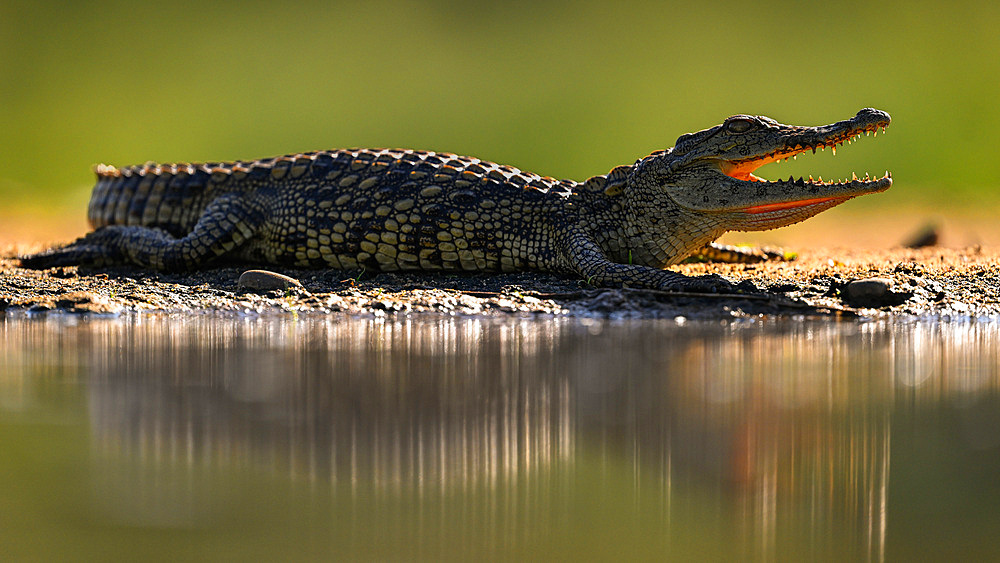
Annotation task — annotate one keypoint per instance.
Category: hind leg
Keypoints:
(224, 226)
(714, 252)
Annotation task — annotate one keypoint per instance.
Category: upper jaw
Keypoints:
(792, 141)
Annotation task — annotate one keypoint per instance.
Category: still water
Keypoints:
(181, 438)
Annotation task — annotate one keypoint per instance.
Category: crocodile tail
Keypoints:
(168, 196)
(172, 196)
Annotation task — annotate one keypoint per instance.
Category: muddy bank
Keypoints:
(836, 282)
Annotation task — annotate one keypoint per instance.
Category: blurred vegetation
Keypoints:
(558, 88)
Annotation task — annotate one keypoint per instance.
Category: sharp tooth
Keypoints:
(854, 176)
(795, 157)
(820, 179)
(811, 178)
(834, 149)
(867, 133)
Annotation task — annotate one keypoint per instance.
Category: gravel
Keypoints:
(842, 283)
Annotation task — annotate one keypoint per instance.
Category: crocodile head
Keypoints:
(712, 171)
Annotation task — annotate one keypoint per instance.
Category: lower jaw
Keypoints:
(769, 207)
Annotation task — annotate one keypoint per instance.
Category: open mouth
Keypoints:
(796, 144)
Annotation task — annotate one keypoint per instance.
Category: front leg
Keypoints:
(225, 224)
(587, 259)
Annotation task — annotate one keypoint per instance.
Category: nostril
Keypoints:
(872, 113)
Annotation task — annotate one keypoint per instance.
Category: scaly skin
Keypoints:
(391, 210)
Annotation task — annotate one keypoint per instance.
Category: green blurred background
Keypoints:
(562, 89)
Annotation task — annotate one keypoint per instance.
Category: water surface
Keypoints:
(457, 438)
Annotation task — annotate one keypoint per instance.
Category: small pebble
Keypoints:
(264, 280)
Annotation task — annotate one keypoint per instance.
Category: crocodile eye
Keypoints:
(739, 125)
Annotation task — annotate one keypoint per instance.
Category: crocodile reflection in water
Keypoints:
(502, 407)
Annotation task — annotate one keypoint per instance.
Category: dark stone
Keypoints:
(928, 235)
(873, 293)
(784, 287)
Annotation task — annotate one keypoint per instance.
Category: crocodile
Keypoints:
(389, 210)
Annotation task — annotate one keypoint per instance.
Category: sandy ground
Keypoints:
(935, 281)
